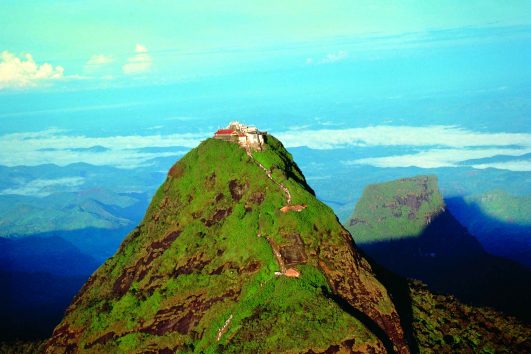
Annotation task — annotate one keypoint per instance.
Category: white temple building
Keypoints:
(247, 136)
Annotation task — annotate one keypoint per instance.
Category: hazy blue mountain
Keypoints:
(48, 198)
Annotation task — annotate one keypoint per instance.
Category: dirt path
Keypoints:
(223, 329)
(268, 173)
(291, 272)
(298, 208)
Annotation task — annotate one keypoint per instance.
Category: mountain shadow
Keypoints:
(441, 323)
(437, 323)
(405, 226)
(498, 237)
(451, 261)
(39, 278)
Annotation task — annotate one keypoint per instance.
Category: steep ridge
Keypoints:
(405, 226)
(200, 272)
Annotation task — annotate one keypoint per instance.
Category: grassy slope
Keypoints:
(395, 209)
(224, 269)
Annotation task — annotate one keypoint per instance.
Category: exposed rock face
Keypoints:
(198, 274)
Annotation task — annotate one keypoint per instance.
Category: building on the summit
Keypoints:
(244, 135)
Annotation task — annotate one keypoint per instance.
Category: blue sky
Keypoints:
(81, 44)
(104, 83)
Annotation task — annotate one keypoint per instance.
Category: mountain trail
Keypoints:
(268, 173)
(224, 328)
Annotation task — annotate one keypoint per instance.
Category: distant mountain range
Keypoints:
(49, 198)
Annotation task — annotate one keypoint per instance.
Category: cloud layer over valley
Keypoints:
(57, 147)
(425, 147)
(430, 146)
(44, 187)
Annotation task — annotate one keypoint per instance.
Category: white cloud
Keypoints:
(140, 62)
(434, 146)
(326, 122)
(443, 146)
(435, 158)
(54, 146)
(43, 187)
(156, 127)
(515, 165)
(298, 127)
(385, 135)
(100, 59)
(24, 72)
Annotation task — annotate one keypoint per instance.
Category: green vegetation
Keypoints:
(203, 254)
(396, 209)
(281, 321)
(441, 324)
(503, 206)
(404, 226)
(22, 347)
(198, 274)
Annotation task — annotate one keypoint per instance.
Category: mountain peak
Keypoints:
(234, 253)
